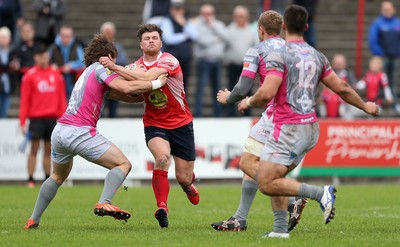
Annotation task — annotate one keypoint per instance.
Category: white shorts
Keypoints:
(68, 141)
(289, 143)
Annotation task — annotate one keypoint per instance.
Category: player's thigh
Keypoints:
(269, 171)
(249, 164)
(157, 141)
(113, 157)
(183, 166)
(159, 147)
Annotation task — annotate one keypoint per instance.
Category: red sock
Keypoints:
(160, 186)
(193, 177)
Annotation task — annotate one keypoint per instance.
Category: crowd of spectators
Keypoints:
(200, 41)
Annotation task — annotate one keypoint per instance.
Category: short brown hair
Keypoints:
(271, 22)
(295, 18)
(98, 47)
(148, 28)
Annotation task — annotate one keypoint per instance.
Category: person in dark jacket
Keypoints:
(178, 34)
(384, 40)
(49, 18)
(67, 54)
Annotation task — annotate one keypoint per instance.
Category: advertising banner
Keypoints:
(345, 148)
(367, 147)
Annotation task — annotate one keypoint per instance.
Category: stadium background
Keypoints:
(337, 31)
(336, 27)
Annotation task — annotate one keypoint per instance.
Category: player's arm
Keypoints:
(136, 73)
(242, 88)
(116, 95)
(264, 94)
(347, 93)
(136, 86)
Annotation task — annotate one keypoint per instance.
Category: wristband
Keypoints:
(248, 102)
(156, 84)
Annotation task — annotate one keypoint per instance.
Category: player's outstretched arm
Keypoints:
(347, 93)
(116, 95)
(239, 92)
(137, 86)
(135, 73)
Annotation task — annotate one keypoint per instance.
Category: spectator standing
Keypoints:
(26, 47)
(42, 102)
(11, 17)
(8, 69)
(310, 36)
(331, 101)
(154, 11)
(178, 34)
(110, 32)
(67, 54)
(241, 38)
(375, 81)
(384, 40)
(49, 18)
(209, 50)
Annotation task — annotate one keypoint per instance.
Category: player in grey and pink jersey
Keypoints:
(270, 23)
(76, 133)
(292, 77)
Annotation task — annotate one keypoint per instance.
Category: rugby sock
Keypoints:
(193, 177)
(115, 177)
(311, 191)
(160, 185)
(280, 221)
(249, 190)
(47, 192)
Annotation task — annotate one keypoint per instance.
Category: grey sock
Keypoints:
(311, 191)
(114, 179)
(280, 221)
(249, 190)
(47, 192)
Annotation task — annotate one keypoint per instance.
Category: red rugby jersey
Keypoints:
(167, 107)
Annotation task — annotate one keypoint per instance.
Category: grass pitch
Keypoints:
(367, 215)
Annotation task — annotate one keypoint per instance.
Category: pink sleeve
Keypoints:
(275, 72)
(110, 78)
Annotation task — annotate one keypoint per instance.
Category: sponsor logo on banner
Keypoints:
(362, 143)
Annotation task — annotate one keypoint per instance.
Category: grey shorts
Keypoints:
(289, 143)
(68, 141)
(258, 135)
(262, 129)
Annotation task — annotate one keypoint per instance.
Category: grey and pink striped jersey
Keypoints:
(88, 96)
(301, 67)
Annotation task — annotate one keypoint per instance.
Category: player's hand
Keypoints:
(107, 63)
(223, 95)
(371, 108)
(242, 106)
(163, 78)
